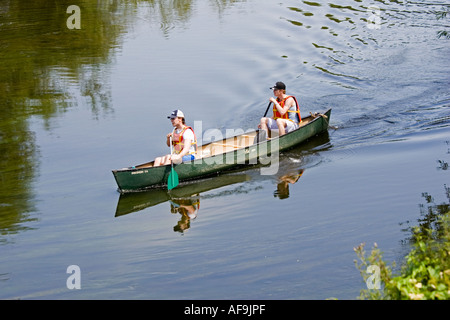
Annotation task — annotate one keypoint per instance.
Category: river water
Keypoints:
(83, 95)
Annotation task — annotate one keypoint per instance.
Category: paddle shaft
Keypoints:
(267, 110)
(173, 175)
(265, 114)
(171, 153)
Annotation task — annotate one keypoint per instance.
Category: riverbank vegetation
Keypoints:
(425, 272)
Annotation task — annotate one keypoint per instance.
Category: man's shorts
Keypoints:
(290, 125)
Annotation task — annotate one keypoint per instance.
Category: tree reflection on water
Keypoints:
(43, 64)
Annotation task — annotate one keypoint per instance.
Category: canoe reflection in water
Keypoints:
(188, 208)
(185, 200)
(189, 192)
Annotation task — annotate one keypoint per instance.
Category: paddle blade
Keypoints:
(172, 182)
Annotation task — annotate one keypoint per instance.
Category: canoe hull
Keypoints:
(143, 177)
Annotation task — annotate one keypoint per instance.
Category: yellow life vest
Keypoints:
(178, 144)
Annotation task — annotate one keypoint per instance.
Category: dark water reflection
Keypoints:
(40, 60)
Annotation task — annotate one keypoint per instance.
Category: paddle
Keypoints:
(172, 180)
(263, 132)
(265, 113)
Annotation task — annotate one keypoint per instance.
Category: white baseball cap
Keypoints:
(175, 114)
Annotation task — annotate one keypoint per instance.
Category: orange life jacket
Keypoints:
(177, 141)
(277, 114)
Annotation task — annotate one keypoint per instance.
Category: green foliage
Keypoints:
(374, 259)
(442, 15)
(425, 274)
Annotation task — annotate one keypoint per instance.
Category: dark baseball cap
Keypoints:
(279, 85)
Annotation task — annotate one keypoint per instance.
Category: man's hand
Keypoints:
(176, 158)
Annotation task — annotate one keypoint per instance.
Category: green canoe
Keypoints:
(218, 156)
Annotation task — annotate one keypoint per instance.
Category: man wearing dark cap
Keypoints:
(286, 112)
(182, 138)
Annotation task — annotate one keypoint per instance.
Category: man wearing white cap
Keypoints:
(183, 141)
